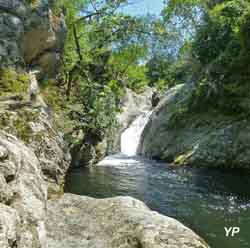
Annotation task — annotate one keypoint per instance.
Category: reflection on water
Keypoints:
(205, 200)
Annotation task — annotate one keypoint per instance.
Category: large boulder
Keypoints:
(31, 35)
(179, 135)
(22, 221)
(122, 222)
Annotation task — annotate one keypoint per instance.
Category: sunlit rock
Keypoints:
(75, 221)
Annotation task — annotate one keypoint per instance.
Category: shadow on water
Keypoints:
(205, 200)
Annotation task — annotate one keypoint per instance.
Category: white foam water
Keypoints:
(130, 138)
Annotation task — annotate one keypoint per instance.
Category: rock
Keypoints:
(87, 149)
(132, 106)
(3, 153)
(155, 99)
(48, 62)
(32, 125)
(11, 30)
(76, 221)
(33, 90)
(31, 35)
(6, 193)
(9, 222)
(27, 200)
(30, 121)
(28, 173)
(183, 137)
(43, 40)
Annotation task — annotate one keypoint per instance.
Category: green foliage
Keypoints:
(137, 79)
(53, 95)
(205, 43)
(104, 53)
(33, 2)
(221, 47)
(12, 82)
(98, 107)
(125, 67)
(18, 124)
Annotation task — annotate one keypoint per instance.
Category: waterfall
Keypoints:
(130, 138)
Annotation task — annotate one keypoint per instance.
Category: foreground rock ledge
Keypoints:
(121, 222)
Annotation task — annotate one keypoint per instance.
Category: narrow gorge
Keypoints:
(122, 127)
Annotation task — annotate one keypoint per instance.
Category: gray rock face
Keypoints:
(120, 222)
(9, 221)
(209, 138)
(30, 35)
(25, 115)
(32, 125)
(132, 106)
(24, 190)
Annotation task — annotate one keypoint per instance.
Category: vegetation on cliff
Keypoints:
(205, 122)
(203, 43)
(106, 50)
(218, 52)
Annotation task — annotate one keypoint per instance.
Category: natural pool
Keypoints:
(203, 199)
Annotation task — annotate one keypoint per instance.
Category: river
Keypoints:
(206, 200)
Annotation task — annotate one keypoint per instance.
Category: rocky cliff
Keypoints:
(33, 156)
(181, 136)
(31, 35)
(33, 162)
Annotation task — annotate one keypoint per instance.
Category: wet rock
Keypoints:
(132, 106)
(155, 99)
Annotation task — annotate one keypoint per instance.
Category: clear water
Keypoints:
(205, 200)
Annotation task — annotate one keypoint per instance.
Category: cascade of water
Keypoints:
(130, 138)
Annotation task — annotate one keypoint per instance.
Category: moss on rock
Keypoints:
(12, 82)
(18, 123)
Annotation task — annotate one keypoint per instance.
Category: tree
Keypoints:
(103, 52)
